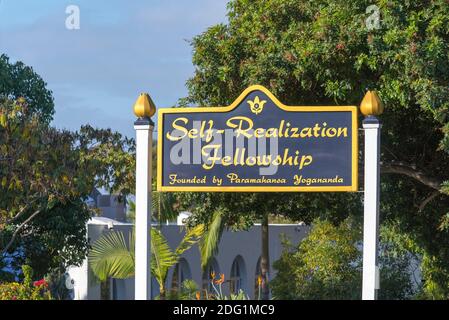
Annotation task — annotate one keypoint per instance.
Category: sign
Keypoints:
(257, 144)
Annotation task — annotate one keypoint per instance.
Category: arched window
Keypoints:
(181, 272)
(237, 280)
(212, 267)
(256, 278)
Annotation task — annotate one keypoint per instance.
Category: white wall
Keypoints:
(247, 244)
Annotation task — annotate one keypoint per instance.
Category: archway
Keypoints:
(237, 280)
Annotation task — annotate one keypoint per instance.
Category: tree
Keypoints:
(18, 80)
(45, 176)
(239, 211)
(328, 265)
(112, 257)
(309, 52)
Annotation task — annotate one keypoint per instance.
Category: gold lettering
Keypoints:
(305, 161)
(226, 161)
(259, 132)
(178, 127)
(271, 133)
(240, 126)
(212, 159)
(342, 131)
(193, 133)
(331, 132)
(306, 132)
(294, 133)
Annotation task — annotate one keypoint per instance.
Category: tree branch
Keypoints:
(21, 212)
(18, 230)
(432, 196)
(412, 172)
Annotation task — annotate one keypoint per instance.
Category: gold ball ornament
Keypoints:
(371, 104)
(144, 106)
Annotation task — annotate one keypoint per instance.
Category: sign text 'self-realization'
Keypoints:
(244, 127)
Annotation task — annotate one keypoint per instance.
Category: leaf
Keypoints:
(52, 200)
(192, 236)
(3, 120)
(209, 242)
(110, 256)
(162, 257)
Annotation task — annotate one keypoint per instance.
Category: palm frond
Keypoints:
(208, 244)
(111, 256)
(192, 236)
(162, 256)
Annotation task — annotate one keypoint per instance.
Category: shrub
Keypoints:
(328, 265)
(27, 290)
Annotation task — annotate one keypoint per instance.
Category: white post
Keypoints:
(144, 137)
(371, 208)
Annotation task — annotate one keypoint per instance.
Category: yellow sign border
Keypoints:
(353, 109)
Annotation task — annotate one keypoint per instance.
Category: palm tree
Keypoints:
(165, 205)
(112, 256)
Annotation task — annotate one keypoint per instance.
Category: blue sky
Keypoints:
(122, 48)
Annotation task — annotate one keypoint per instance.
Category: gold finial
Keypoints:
(144, 106)
(371, 104)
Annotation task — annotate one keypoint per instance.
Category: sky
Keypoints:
(122, 48)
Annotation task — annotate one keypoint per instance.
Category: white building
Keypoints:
(238, 257)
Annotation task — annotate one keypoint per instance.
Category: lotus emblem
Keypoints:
(256, 106)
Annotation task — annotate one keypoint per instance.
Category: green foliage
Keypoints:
(108, 157)
(57, 284)
(45, 176)
(239, 211)
(20, 81)
(191, 237)
(217, 292)
(399, 263)
(435, 272)
(321, 53)
(328, 265)
(164, 206)
(112, 256)
(27, 290)
(55, 239)
(40, 193)
(239, 296)
(211, 239)
(162, 259)
(188, 291)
